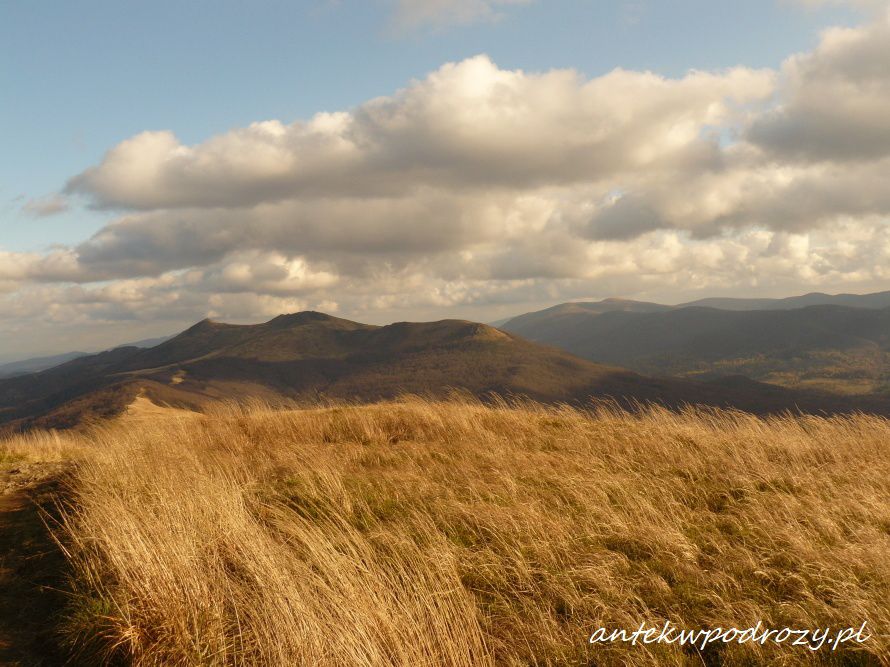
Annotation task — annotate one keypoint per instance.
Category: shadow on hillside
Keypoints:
(32, 574)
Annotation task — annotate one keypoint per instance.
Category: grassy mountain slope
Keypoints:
(38, 364)
(568, 314)
(828, 347)
(421, 534)
(311, 355)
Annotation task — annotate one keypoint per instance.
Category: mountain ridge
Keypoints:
(37, 364)
(873, 300)
(832, 347)
(304, 356)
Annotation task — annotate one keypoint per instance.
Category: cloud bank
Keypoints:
(480, 187)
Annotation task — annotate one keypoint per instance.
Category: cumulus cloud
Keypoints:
(478, 187)
(469, 125)
(836, 100)
(257, 285)
(56, 266)
(626, 216)
(269, 273)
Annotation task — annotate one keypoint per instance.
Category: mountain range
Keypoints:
(875, 300)
(833, 343)
(37, 364)
(309, 356)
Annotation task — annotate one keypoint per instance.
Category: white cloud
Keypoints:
(59, 265)
(413, 14)
(836, 100)
(543, 268)
(44, 207)
(482, 188)
(469, 125)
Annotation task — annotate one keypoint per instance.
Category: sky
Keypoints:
(390, 160)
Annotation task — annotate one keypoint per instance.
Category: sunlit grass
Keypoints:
(421, 533)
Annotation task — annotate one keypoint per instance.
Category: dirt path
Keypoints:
(31, 566)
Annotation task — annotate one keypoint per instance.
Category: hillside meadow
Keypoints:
(423, 533)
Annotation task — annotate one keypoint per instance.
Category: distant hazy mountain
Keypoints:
(38, 364)
(838, 348)
(525, 325)
(310, 355)
(875, 300)
(147, 342)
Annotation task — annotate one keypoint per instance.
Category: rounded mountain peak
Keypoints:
(304, 317)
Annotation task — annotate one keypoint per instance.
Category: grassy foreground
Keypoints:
(419, 533)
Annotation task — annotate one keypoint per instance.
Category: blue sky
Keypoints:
(80, 77)
(421, 159)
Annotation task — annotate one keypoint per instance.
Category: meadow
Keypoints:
(420, 532)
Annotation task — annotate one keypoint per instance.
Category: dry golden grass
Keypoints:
(41, 446)
(418, 533)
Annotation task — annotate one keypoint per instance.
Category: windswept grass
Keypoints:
(42, 446)
(419, 533)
